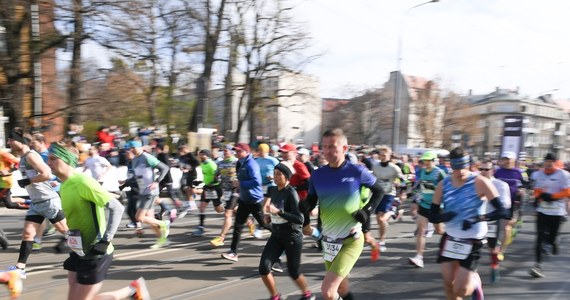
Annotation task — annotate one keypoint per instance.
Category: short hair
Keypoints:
(487, 161)
(457, 153)
(38, 137)
(385, 148)
(336, 132)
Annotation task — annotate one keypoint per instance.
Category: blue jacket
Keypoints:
(249, 177)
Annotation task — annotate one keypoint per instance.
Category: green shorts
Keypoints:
(346, 258)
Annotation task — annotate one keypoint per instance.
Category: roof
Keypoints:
(331, 104)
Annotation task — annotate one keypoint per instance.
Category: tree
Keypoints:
(428, 110)
(270, 43)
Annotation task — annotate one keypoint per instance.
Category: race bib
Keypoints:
(331, 249)
(492, 229)
(277, 219)
(75, 243)
(264, 189)
(456, 248)
(227, 195)
(211, 194)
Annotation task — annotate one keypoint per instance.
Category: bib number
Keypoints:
(211, 194)
(492, 229)
(331, 249)
(75, 243)
(226, 196)
(456, 249)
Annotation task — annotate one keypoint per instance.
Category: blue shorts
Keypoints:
(385, 204)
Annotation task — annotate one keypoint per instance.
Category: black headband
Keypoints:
(18, 136)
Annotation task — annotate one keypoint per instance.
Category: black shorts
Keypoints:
(217, 201)
(471, 262)
(89, 271)
(232, 203)
(424, 212)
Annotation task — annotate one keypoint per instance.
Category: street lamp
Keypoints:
(398, 81)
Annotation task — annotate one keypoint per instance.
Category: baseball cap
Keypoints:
(242, 147)
(509, 154)
(304, 151)
(288, 148)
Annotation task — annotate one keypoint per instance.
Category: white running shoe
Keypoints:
(416, 261)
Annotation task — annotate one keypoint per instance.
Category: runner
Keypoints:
(212, 190)
(513, 177)
(97, 165)
(494, 227)
(251, 196)
(227, 175)
(46, 203)
(286, 222)
(464, 195)
(337, 189)
(428, 178)
(143, 166)
(266, 165)
(90, 235)
(386, 172)
(551, 189)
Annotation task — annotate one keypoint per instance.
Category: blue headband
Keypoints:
(460, 163)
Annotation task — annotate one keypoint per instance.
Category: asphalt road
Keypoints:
(191, 269)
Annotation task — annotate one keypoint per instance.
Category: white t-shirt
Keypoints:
(97, 165)
(552, 184)
(386, 176)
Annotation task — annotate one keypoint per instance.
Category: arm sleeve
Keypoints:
(377, 193)
(564, 193)
(115, 215)
(163, 170)
(499, 213)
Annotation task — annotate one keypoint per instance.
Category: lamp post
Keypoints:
(398, 81)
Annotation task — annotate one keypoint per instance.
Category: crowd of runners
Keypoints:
(328, 195)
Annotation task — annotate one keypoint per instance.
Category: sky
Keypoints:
(466, 45)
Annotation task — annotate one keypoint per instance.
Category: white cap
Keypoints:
(303, 151)
(509, 154)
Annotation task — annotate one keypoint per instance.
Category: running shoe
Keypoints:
(15, 284)
(62, 247)
(217, 241)
(277, 267)
(495, 276)
(3, 240)
(173, 215)
(199, 231)
(251, 228)
(131, 225)
(308, 296)
(160, 243)
(276, 297)
(258, 233)
(382, 246)
(183, 213)
(36, 246)
(22, 272)
(230, 256)
(164, 229)
(141, 291)
(416, 261)
(536, 271)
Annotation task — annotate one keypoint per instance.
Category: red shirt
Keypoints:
(300, 179)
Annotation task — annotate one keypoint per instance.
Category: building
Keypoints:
(368, 119)
(545, 124)
(287, 108)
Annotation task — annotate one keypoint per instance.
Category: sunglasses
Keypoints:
(484, 169)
